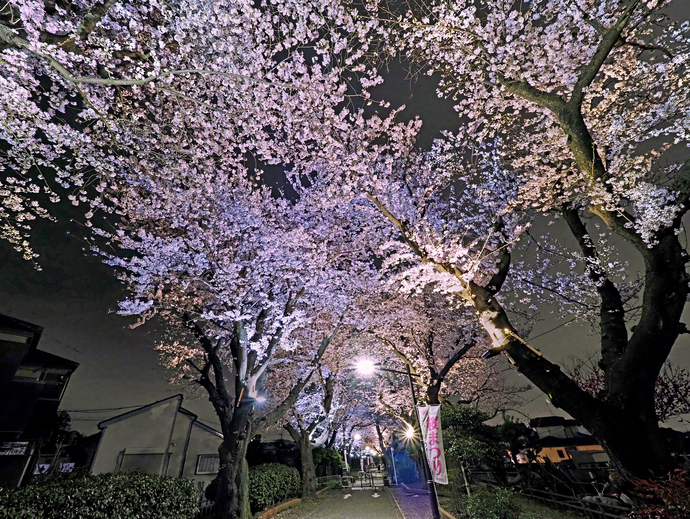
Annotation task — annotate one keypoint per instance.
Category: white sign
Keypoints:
(430, 420)
(14, 448)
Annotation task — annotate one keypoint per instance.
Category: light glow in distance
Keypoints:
(365, 367)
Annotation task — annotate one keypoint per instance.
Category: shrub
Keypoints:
(327, 461)
(501, 505)
(271, 484)
(664, 498)
(126, 495)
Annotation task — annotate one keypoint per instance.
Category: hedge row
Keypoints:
(272, 484)
(128, 495)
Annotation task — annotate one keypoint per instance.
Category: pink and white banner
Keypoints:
(430, 420)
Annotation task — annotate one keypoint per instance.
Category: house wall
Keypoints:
(554, 454)
(201, 442)
(144, 434)
(590, 448)
(178, 444)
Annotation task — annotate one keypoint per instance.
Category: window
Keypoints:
(28, 375)
(208, 464)
(561, 453)
(11, 337)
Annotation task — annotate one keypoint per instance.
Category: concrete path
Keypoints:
(353, 504)
(365, 504)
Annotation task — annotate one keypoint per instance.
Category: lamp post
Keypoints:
(366, 367)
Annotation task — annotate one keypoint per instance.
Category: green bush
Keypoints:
(501, 505)
(271, 484)
(126, 495)
(327, 461)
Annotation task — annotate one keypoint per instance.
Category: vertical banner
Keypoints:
(430, 422)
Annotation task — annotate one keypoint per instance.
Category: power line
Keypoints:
(101, 410)
(552, 329)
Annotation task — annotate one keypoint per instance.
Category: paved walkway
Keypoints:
(365, 504)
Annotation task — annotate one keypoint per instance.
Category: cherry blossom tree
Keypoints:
(318, 412)
(303, 418)
(441, 343)
(239, 277)
(163, 114)
(94, 93)
(573, 109)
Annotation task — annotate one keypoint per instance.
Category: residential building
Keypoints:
(160, 438)
(566, 443)
(32, 383)
(580, 449)
(558, 426)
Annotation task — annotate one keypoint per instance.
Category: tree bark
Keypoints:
(626, 425)
(302, 438)
(308, 469)
(379, 434)
(232, 494)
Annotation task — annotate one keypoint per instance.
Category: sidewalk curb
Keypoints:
(281, 507)
(288, 504)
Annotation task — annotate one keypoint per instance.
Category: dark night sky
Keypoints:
(74, 295)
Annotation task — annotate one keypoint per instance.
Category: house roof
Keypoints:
(129, 414)
(31, 355)
(11, 326)
(553, 421)
(48, 360)
(207, 428)
(553, 441)
(134, 412)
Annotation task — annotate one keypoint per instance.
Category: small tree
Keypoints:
(472, 442)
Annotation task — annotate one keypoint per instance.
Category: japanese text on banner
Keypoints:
(430, 420)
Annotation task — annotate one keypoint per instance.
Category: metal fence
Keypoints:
(594, 508)
(323, 481)
(206, 509)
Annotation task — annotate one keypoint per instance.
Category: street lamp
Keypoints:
(366, 367)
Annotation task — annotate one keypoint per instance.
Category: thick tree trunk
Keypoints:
(626, 424)
(432, 393)
(379, 433)
(308, 468)
(631, 436)
(232, 495)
